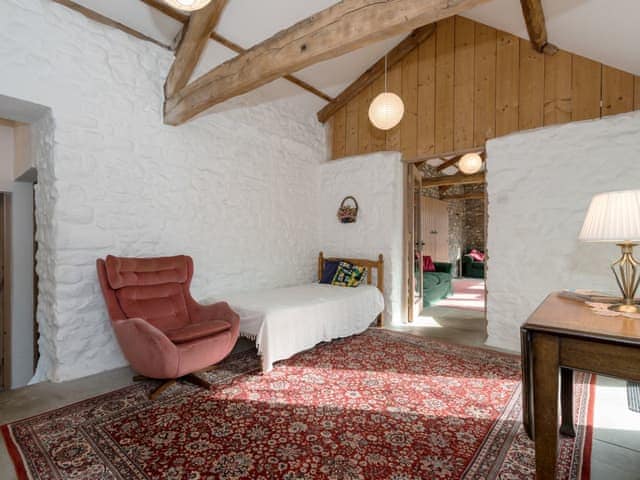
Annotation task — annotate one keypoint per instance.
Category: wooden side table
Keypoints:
(561, 336)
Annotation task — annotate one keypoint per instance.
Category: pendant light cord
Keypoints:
(386, 87)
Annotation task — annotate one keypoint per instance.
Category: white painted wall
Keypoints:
(540, 184)
(236, 190)
(21, 283)
(376, 181)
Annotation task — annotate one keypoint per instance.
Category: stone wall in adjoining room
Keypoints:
(540, 184)
(376, 181)
(474, 220)
(237, 190)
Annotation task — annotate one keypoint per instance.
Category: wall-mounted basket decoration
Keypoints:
(347, 213)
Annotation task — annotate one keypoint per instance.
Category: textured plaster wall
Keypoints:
(236, 190)
(540, 184)
(376, 181)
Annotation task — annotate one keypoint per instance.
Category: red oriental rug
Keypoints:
(381, 405)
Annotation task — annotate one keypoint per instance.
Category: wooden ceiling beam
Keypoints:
(195, 37)
(216, 37)
(374, 72)
(98, 17)
(446, 155)
(458, 179)
(448, 163)
(339, 29)
(536, 26)
(465, 196)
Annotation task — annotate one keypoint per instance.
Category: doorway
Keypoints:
(17, 261)
(446, 254)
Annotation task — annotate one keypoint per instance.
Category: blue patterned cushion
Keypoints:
(349, 275)
(330, 269)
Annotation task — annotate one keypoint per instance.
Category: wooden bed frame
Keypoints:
(369, 265)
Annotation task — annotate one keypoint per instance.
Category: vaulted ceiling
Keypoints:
(591, 28)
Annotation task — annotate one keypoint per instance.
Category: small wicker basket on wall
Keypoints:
(348, 211)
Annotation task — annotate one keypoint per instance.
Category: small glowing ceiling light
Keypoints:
(470, 163)
(187, 5)
(387, 109)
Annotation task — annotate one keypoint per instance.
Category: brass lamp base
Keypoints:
(626, 273)
(624, 308)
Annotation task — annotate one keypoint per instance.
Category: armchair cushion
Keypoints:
(195, 331)
(163, 306)
(125, 272)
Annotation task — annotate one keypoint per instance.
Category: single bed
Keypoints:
(285, 321)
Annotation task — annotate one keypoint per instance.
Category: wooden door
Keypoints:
(414, 242)
(435, 227)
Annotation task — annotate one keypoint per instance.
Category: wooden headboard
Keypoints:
(361, 262)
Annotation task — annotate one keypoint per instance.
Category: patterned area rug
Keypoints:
(381, 405)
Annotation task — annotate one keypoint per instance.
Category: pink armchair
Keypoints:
(163, 332)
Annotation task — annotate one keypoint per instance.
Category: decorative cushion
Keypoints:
(476, 255)
(195, 331)
(427, 264)
(349, 275)
(330, 269)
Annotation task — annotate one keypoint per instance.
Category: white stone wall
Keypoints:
(540, 184)
(237, 190)
(376, 181)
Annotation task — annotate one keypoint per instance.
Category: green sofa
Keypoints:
(437, 285)
(471, 268)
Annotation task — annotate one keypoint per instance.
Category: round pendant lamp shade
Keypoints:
(470, 163)
(386, 111)
(187, 5)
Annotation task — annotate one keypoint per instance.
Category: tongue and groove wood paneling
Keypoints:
(468, 83)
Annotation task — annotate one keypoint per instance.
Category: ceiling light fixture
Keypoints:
(187, 5)
(387, 109)
(470, 163)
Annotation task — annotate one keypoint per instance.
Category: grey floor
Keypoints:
(616, 444)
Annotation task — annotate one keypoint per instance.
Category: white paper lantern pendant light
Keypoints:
(387, 109)
(470, 163)
(187, 5)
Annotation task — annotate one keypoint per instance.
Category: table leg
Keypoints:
(566, 400)
(527, 394)
(545, 353)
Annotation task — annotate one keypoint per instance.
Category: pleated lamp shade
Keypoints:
(613, 217)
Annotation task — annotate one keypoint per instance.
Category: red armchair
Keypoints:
(163, 332)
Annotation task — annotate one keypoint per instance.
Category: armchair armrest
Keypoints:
(148, 350)
(216, 311)
(443, 267)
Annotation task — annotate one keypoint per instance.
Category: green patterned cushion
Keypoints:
(349, 275)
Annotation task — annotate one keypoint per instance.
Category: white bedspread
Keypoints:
(285, 321)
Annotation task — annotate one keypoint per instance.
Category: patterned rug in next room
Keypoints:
(380, 405)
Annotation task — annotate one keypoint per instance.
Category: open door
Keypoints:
(414, 242)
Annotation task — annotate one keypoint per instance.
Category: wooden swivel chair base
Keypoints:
(192, 378)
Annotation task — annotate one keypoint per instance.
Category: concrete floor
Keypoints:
(616, 445)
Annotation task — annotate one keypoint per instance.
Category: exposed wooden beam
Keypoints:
(465, 196)
(194, 39)
(458, 179)
(537, 26)
(394, 56)
(448, 163)
(339, 29)
(216, 37)
(97, 17)
(445, 155)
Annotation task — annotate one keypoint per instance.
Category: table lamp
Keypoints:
(614, 217)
